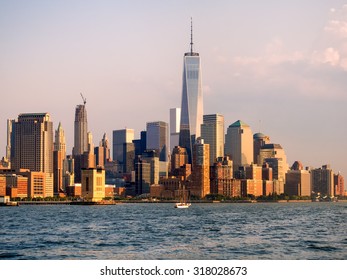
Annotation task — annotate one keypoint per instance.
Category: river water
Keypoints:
(280, 231)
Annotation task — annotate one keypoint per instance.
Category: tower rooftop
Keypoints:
(239, 123)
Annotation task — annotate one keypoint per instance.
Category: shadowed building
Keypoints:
(322, 180)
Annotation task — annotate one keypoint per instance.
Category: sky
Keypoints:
(280, 66)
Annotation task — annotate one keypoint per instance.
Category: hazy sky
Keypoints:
(280, 66)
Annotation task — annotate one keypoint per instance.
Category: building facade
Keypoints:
(175, 119)
(157, 139)
(239, 144)
(34, 146)
(200, 185)
(212, 131)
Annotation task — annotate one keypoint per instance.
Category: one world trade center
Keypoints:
(192, 101)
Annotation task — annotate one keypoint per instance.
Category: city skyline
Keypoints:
(292, 85)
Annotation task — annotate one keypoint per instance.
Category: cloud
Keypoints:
(332, 56)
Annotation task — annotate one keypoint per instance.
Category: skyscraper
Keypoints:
(157, 138)
(259, 140)
(120, 137)
(34, 146)
(212, 131)
(10, 138)
(80, 139)
(200, 186)
(239, 144)
(59, 155)
(175, 119)
(81, 130)
(192, 100)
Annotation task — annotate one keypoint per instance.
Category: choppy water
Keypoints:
(159, 231)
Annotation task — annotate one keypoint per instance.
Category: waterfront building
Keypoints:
(220, 173)
(34, 146)
(93, 184)
(142, 177)
(192, 100)
(239, 144)
(175, 120)
(298, 183)
(200, 185)
(259, 140)
(2, 185)
(212, 131)
(19, 182)
(157, 139)
(120, 137)
(339, 185)
(322, 180)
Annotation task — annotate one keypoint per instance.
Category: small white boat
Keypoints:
(183, 198)
(182, 205)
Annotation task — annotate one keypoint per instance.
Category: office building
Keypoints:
(212, 131)
(239, 144)
(34, 146)
(192, 100)
(339, 185)
(10, 140)
(157, 139)
(80, 139)
(142, 177)
(322, 180)
(140, 144)
(119, 138)
(200, 186)
(81, 130)
(259, 140)
(175, 120)
(59, 155)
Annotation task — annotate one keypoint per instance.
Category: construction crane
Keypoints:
(83, 98)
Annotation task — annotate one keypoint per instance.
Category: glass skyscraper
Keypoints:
(192, 101)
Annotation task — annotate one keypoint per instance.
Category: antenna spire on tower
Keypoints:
(191, 35)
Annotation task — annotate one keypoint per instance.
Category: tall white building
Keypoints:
(212, 131)
(239, 144)
(192, 100)
(175, 119)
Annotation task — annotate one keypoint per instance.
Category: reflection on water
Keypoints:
(159, 231)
